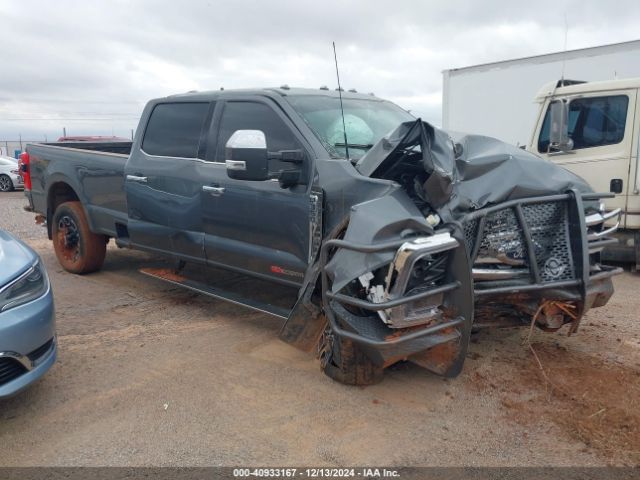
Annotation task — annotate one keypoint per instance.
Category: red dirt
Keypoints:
(591, 400)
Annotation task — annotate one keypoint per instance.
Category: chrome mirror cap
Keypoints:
(247, 139)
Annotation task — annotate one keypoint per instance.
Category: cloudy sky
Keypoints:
(90, 66)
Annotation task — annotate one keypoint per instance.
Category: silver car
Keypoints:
(10, 178)
(27, 318)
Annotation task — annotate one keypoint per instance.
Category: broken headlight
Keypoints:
(418, 267)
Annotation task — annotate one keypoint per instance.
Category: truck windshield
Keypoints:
(366, 121)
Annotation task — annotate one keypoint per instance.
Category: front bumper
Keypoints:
(39, 366)
(556, 260)
(28, 347)
(385, 344)
(17, 181)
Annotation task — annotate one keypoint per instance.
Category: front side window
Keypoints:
(365, 121)
(255, 116)
(592, 122)
(174, 129)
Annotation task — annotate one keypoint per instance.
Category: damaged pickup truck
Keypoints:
(398, 238)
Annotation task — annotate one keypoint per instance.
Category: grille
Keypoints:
(10, 370)
(549, 226)
(503, 238)
(470, 233)
(40, 351)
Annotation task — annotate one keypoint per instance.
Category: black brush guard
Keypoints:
(585, 281)
(385, 345)
(589, 284)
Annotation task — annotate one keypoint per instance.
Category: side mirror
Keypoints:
(246, 156)
(559, 132)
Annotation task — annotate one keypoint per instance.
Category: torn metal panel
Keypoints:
(344, 187)
(383, 219)
(464, 172)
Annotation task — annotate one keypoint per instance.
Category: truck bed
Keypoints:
(95, 172)
(123, 148)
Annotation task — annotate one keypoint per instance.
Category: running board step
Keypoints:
(170, 276)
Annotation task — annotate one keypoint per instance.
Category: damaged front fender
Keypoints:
(398, 288)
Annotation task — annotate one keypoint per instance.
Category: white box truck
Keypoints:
(589, 127)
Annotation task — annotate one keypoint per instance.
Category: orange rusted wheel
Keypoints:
(77, 248)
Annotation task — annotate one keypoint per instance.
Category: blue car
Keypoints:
(27, 317)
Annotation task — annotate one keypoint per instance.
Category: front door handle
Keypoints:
(215, 191)
(136, 178)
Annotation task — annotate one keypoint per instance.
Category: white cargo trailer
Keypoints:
(497, 99)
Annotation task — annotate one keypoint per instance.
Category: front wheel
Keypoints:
(346, 362)
(77, 248)
(6, 184)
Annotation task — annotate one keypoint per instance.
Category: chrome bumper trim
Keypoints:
(596, 218)
(498, 274)
(22, 359)
(25, 361)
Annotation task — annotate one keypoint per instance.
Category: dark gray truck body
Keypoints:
(96, 178)
(394, 253)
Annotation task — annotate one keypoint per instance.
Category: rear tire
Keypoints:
(6, 184)
(77, 248)
(345, 362)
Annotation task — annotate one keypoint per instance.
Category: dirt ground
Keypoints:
(149, 374)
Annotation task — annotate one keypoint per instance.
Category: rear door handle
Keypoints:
(136, 178)
(215, 191)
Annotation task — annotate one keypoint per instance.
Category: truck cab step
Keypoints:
(169, 275)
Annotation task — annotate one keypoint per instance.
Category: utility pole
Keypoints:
(132, 134)
(20, 137)
(64, 131)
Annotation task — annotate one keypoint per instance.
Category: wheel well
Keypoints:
(59, 192)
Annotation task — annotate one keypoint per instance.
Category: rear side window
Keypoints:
(174, 129)
(592, 122)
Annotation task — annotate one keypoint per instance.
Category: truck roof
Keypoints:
(274, 91)
(555, 88)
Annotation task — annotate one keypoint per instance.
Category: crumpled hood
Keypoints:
(485, 172)
(15, 258)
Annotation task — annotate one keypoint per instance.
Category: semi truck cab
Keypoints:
(593, 130)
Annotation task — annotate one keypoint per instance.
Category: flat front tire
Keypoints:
(77, 248)
(344, 361)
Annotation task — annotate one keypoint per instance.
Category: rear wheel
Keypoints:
(78, 249)
(345, 362)
(6, 185)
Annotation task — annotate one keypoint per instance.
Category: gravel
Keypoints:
(15, 220)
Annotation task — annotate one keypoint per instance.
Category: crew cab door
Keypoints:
(162, 184)
(601, 127)
(256, 226)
